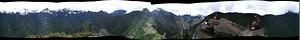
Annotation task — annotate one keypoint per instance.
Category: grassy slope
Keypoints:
(143, 30)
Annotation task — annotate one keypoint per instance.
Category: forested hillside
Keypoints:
(145, 24)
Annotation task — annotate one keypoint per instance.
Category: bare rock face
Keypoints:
(247, 24)
(226, 28)
(225, 25)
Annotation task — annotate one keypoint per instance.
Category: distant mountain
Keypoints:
(118, 13)
(157, 24)
(285, 25)
(172, 25)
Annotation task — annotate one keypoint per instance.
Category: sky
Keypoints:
(108, 6)
(260, 7)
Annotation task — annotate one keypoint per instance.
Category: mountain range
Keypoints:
(145, 24)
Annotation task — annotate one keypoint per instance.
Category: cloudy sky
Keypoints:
(260, 7)
(108, 6)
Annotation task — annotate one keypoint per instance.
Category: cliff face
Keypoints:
(247, 24)
(227, 25)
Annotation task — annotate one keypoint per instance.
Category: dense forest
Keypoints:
(85, 23)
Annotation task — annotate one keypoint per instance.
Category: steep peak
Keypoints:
(160, 10)
(145, 9)
(119, 12)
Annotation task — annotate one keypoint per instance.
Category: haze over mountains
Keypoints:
(210, 20)
(260, 7)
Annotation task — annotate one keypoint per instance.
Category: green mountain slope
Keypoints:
(144, 30)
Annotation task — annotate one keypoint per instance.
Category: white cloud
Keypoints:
(108, 6)
(260, 7)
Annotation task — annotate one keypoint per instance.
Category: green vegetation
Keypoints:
(144, 30)
(62, 34)
(144, 25)
(58, 34)
(84, 32)
(286, 25)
